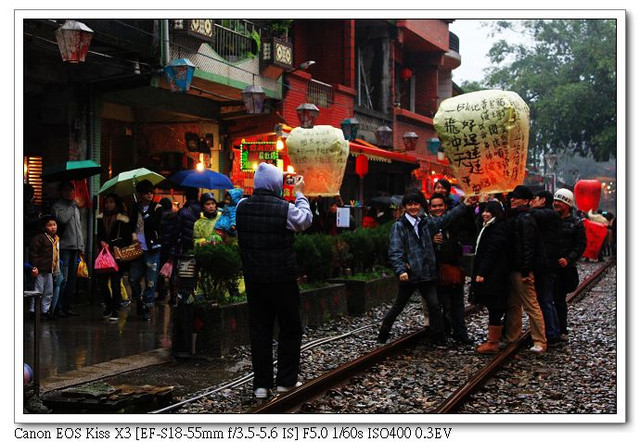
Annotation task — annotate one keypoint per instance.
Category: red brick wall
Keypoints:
(297, 94)
(433, 31)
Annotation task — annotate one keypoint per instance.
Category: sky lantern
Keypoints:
(320, 155)
(485, 136)
(587, 193)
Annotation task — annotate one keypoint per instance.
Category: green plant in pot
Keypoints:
(220, 268)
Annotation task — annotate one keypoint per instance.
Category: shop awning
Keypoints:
(374, 153)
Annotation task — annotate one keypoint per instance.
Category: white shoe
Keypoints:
(537, 349)
(261, 393)
(282, 389)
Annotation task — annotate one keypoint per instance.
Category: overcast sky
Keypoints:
(474, 47)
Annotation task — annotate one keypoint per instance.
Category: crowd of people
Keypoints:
(54, 246)
(525, 250)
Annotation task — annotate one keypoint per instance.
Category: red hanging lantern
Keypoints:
(587, 193)
(362, 165)
(406, 74)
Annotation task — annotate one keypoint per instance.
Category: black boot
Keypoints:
(383, 335)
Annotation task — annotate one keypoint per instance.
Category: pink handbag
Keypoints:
(105, 263)
(167, 269)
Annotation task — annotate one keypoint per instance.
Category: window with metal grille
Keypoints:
(33, 176)
(319, 93)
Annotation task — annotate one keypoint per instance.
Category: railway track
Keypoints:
(294, 400)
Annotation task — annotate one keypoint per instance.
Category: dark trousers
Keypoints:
(268, 303)
(113, 298)
(69, 269)
(496, 315)
(428, 292)
(544, 283)
(452, 301)
(560, 302)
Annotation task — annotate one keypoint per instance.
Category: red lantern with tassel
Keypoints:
(362, 165)
(587, 193)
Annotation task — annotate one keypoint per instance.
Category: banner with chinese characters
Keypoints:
(319, 154)
(485, 135)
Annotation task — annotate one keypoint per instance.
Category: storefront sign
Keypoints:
(320, 155)
(200, 28)
(253, 153)
(485, 135)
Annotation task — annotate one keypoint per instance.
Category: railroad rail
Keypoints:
(292, 400)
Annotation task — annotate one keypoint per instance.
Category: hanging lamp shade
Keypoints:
(350, 128)
(307, 114)
(73, 39)
(384, 136)
(179, 74)
(253, 98)
(410, 140)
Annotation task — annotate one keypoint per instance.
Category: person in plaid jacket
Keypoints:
(412, 257)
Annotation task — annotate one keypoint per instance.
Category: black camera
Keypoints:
(290, 179)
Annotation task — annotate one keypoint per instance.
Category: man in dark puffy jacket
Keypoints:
(549, 226)
(144, 217)
(188, 214)
(523, 247)
(413, 260)
(573, 241)
(265, 224)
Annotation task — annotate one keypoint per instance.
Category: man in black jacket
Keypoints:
(145, 217)
(549, 226)
(523, 240)
(572, 242)
(188, 214)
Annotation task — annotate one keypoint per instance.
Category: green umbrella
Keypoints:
(72, 170)
(125, 182)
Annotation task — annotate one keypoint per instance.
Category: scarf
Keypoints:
(484, 226)
(55, 265)
(211, 215)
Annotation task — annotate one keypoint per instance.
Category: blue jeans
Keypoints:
(69, 270)
(544, 284)
(148, 267)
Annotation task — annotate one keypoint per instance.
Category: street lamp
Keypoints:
(410, 140)
(307, 114)
(350, 128)
(73, 39)
(253, 98)
(179, 74)
(384, 136)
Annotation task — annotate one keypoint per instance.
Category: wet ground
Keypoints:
(130, 351)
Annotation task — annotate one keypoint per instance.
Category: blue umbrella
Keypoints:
(206, 179)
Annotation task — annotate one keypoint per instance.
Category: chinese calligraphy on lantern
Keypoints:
(320, 155)
(485, 135)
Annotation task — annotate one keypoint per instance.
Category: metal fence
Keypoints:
(319, 93)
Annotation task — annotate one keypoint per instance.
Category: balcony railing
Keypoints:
(319, 93)
(235, 40)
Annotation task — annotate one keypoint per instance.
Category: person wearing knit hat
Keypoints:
(572, 242)
(489, 282)
(265, 225)
(523, 253)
